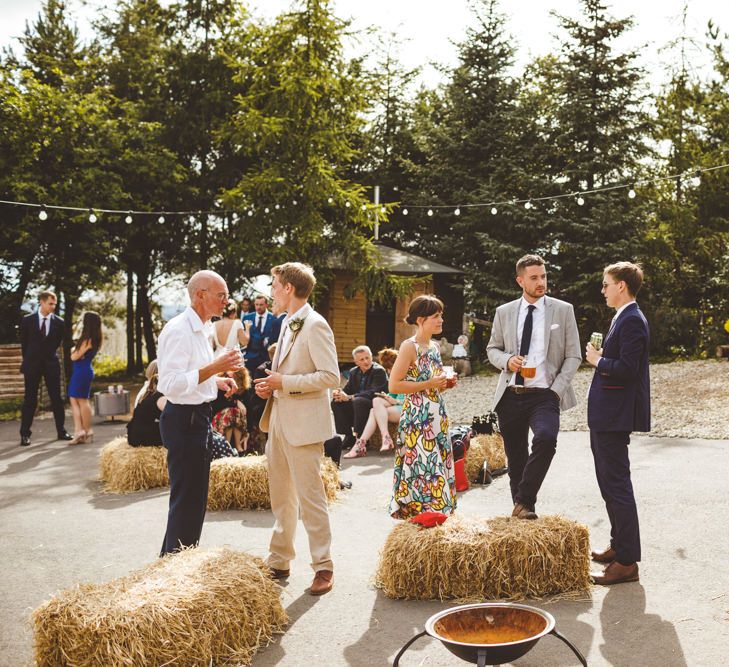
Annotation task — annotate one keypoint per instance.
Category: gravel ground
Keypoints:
(689, 399)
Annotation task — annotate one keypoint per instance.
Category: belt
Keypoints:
(520, 389)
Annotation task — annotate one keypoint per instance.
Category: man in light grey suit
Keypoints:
(535, 343)
(298, 420)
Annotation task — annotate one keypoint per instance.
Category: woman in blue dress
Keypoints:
(79, 386)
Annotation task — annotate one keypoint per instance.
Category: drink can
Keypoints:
(596, 340)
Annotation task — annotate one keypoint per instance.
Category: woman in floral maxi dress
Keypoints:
(424, 479)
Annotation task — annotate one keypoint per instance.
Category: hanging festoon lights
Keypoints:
(92, 216)
(43, 215)
(128, 218)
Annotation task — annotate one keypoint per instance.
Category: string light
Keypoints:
(430, 212)
(631, 193)
(330, 200)
(347, 204)
(294, 202)
(383, 210)
(266, 210)
(494, 210)
(161, 220)
(43, 215)
(277, 207)
(404, 211)
(457, 211)
(128, 219)
(92, 217)
(250, 213)
(364, 207)
(527, 205)
(580, 200)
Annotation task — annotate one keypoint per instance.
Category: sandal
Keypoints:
(78, 438)
(359, 449)
(387, 443)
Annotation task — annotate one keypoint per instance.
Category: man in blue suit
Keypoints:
(619, 403)
(264, 330)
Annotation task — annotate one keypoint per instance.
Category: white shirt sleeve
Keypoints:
(174, 379)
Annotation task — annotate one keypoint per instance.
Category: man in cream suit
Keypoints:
(298, 420)
(540, 334)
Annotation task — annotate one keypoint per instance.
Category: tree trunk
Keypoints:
(131, 359)
(138, 363)
(149, 342)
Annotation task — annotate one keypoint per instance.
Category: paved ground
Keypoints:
(58, 529)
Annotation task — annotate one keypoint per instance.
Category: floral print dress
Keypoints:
(424, 480)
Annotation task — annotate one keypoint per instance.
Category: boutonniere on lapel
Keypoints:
(295, 326)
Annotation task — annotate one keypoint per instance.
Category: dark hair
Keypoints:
(528, 260)
(631, 274)
(230, 308)
(424, 305)
(46, 294)
(386, 357)
(91, 329)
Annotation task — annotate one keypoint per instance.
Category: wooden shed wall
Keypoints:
(346, 317)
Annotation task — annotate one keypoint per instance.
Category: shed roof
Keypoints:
(400, 261)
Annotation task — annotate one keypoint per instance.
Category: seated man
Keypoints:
(351, 405)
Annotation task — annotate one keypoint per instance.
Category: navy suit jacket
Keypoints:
(375, 380)
(39, 351)
(620, 393)
(257, 349)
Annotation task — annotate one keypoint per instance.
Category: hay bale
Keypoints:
(485, 559)
(195, 607)
(125, 469)
(375, 442)
(485, 448)
(242, 483)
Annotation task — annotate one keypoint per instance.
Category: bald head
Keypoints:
(208, 294)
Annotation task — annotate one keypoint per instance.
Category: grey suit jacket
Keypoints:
(561, 342)
(310, 369)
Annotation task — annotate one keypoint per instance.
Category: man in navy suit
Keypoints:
(619, 403)
(264, 330)
(41, 334)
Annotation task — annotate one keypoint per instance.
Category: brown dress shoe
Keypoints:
(607, 556)
(323, 582)
(521, 512)
(278, 574)
(615, 573)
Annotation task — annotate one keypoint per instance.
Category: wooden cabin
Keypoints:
(357, 321)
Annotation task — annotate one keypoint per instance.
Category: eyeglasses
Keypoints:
(223, 296)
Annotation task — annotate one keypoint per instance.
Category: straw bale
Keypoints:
(195, 607)
(375, 442)
(242, 483)
(125, 469)
(485, 448)
(476, 559)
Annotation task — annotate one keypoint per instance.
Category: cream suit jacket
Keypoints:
(561, 347)
(310, 369)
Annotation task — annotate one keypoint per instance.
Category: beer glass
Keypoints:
(596, 340)
(528, 369)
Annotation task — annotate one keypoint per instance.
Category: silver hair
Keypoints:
(361, 348)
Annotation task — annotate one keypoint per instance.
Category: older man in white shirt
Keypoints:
(188, 377)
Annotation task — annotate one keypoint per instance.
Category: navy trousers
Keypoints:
(612, 467)
(184, 430)
(51, 373)
(517, 414)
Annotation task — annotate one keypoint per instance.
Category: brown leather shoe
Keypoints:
(323, 582)
(607, 556)
(521, 512)
(615, 573)
(278, 574)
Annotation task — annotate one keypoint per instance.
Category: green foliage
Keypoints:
(107, 367)
(10, 409)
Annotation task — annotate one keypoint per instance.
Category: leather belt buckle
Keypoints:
(518, 389)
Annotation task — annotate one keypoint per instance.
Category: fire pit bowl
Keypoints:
(490, 633)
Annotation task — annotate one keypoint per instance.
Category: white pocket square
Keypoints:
(554, 326)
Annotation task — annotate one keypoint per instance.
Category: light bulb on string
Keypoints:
(294, 202)
(404, 211)
(92, 217)
(347, 204)
(266, 210)
(161, 220)
(250, 213)
(383, 210)
(494, 211)
(631, 193)
(128, 218)
(191, 219)
(580, 200)
(527, 205)
(430, 212)
(43, 215)
(277, 207)
(457, 211)
(364, 207)
(330, 200)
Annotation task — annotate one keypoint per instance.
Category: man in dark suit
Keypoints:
(618, 403)
(351, 406)
(264, 328)
(41, 334)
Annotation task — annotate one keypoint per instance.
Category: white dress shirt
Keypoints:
(184, 348)
(40, 321)
(536, 347)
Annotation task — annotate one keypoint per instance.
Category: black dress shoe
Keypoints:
(24, 440)
(64, 435)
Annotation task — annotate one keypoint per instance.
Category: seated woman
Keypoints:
(229, 414)
(461, 362)
(143, 428)
(385, 408)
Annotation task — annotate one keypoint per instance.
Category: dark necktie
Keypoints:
(44, 326)
(526, 339)
(260, 323)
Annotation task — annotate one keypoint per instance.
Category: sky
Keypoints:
(428, 29)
